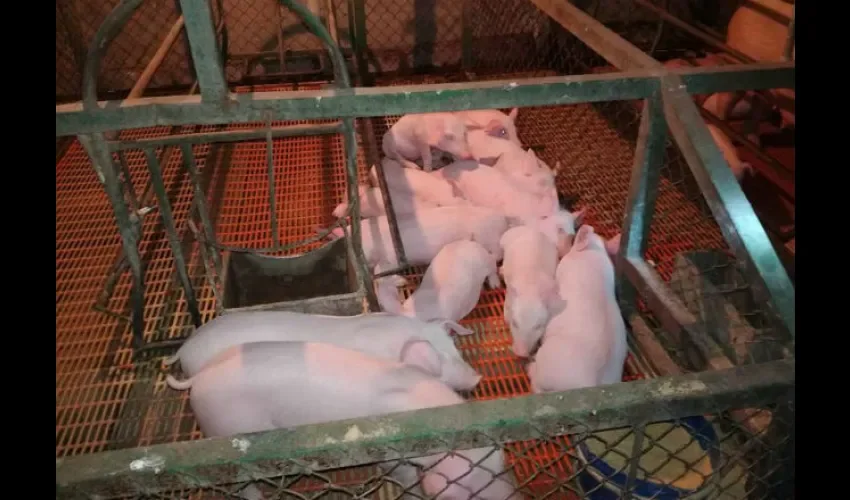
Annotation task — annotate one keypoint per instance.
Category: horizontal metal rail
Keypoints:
(422, 432)
(369, 102)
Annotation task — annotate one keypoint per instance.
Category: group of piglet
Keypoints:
(495, 202)
(254, 371)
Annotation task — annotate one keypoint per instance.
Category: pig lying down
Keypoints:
(585, 344)
(416, 184)
(412, 137)
(451, 286)
(426, 232)
(532, 292)
(406, 340)
(485, 186)
(273, 385)
(372, 204)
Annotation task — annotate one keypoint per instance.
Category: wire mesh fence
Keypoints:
(107, 400)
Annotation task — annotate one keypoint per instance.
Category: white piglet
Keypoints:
(264, 386)
(416, 184)
(584, 345)
(407, 340)
(490, 133)
(730, 154)
(452, 284)
(493, 122)
(424, 233)
(372, 203)
(412, 137)
(532, 296)
(488, 187)
(528, 171)
(560, 228)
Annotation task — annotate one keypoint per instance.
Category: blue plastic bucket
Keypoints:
(601, 481)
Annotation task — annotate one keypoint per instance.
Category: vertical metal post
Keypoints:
(205, 54)
(97, 149)
(643, 191)
(637, 452)
(171, 231)
(361, 268)
(357, 10)
(200, 199)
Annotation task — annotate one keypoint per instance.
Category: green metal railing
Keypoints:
(666, 94)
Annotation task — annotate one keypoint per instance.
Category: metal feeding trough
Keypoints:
(322, 281)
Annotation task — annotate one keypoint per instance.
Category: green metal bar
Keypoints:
(105, 34)
(730, 78)
(416, 433)
(315, 25)
(227, 136)
(171, 231)
(204, 46)
(361, 268)
(643, 192)
(95, 146)
(357, 102)
(360, 41)
(201, 200)
(735, 217)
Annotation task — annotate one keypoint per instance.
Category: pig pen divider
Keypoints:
(666, 105)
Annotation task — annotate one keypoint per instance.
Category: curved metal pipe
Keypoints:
(318, 28)
(106, 33)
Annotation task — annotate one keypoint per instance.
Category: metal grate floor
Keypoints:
(103, 401)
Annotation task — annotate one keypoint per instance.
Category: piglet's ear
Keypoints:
(418, 352)
(513, 114)
(582, 238)
(578, 217)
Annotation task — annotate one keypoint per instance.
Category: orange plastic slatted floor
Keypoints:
(104, 401)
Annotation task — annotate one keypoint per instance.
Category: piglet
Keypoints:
(559, 228)
(372, 203)
(412, 137)
(413, 183)
(424, 233)
(451, 286)
(529, 264)
(528, 171)
(493, 123)
(264, 386)
(488, 187)
(408, 340)
(585, 344)
(730, 154)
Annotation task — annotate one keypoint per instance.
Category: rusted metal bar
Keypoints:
(422, 432)
(358, 102)
(207, 59)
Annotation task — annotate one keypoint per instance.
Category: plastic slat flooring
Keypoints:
(106, 402)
